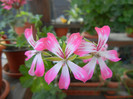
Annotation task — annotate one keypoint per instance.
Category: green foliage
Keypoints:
(54, 93)
(45, 30)
(39, 87)
(74, 14)
(21, 41)
(116, 13)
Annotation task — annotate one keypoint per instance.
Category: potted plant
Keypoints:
(54, 60)
(15, 56)
(25, 20)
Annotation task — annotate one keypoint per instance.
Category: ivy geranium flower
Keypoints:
(38, 46)
(64, 60)
(99, 53)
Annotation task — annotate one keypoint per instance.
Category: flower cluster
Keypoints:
(92, 53)
(8, 4)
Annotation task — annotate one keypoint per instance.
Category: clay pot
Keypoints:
(61, 31)
(87, 35)
(1, 48)
(130, 35)
(20, 30)
(15, 58)
(4, 90)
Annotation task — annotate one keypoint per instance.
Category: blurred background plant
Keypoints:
(74, 14)
(117, 14)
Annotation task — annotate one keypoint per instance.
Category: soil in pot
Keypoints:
(15, 57)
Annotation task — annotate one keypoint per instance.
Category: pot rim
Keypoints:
(15, 50)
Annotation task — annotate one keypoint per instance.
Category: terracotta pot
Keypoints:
(61, 31)
(20, 30)
(130, 35)
(87, 84)
(87, 35)
(118, 97)
(1, 48)
(15, 58)
(127, 79)
(4, 90)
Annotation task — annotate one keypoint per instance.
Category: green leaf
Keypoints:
(39, 84)
(26, 81)
(23, 70)
(29, 62)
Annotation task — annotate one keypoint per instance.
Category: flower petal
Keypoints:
(78, 72)
(51, 74)
(89, 68)
(105, 71)
(29, 37)
(40, 66)
(64, 78)
(72, 44)
(85, 48)
(31, 71)
(40, 45)
(103, 34)
(53, 45)
(111, 55)
(29, 54)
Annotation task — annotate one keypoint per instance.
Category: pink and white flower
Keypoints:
(99, 53)
(8, 4)
(72, 44)
(38, 47)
